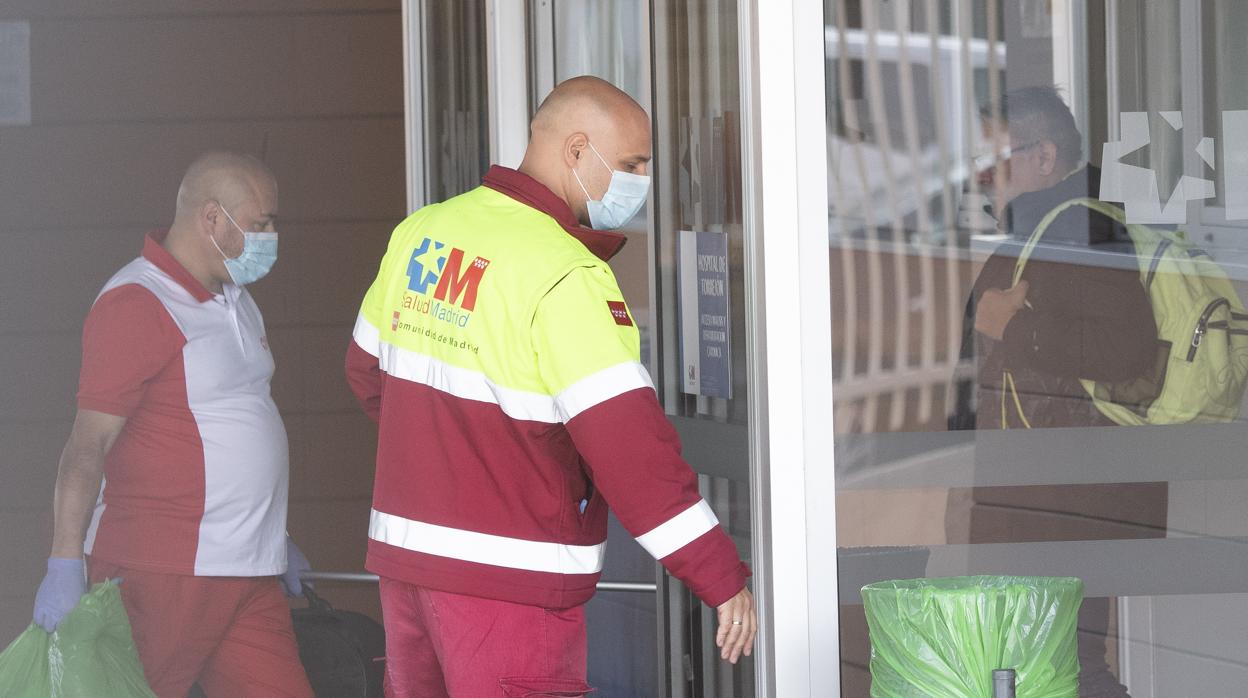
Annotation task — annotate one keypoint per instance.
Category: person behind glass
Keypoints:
(510, 423)
(1067, 319)
(176, 418)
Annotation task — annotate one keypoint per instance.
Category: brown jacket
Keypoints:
(1086, 319)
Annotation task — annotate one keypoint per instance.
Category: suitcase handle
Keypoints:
(314, 600)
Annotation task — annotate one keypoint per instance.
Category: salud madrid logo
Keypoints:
(1147, 169)
(454, 285)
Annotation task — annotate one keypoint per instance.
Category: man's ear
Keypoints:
(210, 215)
(573, 147)
(1048, 158)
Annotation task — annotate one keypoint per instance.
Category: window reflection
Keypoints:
(1035, 240)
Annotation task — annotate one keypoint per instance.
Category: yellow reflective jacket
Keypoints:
(502, 364)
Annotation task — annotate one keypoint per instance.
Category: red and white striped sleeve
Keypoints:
(633, 455)
(587, 351)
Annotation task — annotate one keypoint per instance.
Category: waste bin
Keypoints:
(945, 636)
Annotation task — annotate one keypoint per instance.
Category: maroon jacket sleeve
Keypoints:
(364, 377)
(633, 456)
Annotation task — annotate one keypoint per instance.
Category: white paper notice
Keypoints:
(14, 73)
(705, 317)
(1235, 163)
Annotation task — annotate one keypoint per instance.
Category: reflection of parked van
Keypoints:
(881, 167)
(894, 186)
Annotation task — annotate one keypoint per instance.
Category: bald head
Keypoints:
(225, 178)
(586, 102)
(583, 130)
(222, 196)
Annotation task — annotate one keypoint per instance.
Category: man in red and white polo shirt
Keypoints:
(175, 420)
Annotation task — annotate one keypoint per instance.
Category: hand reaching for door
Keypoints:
(738, 624)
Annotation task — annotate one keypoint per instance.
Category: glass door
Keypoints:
(448, 145)
(684, 271)
(699, 302)
(683, 274)
(609, 39)
(1007, 374)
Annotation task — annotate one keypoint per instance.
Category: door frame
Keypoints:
(413, 14)
(792, 476)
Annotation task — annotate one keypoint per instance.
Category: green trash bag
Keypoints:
(90, 655)
(944, 637)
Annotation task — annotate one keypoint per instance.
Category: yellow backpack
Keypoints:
(1202, 328)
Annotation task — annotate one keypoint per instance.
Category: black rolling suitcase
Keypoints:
(343, 652)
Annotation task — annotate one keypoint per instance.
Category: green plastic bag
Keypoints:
(90, 655)
(944, 637)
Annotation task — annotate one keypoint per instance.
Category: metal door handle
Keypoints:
(366, 578)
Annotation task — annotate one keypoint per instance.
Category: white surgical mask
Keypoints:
(625, 196)
(259, 254)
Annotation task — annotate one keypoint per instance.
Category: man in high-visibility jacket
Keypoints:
(502, 364)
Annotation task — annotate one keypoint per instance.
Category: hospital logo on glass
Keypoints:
(454, 284)
(1146, 169)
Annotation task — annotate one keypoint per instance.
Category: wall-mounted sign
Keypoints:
(1035, 17)
(14, 73)
(704, 314)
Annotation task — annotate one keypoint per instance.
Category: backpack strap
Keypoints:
(1108, 210)
(1007, 386)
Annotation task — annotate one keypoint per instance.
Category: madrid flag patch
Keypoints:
(619, 312)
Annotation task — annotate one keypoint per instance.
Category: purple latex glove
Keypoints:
(296, 564)
(62, 587)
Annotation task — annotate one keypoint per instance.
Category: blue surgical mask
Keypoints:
(624, 197)
(259, 254)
